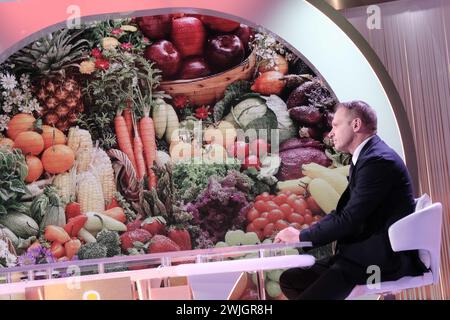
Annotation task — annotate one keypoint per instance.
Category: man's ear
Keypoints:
(357, 124)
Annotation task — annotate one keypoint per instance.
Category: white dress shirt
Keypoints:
(358, 150)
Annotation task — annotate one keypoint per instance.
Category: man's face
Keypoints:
(342, 132)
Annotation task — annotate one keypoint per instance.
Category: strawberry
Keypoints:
(134, 225)
(73, 209)
(181, 237)
(161, 243)
(130, 237)
(75, 224)
(113, 204)
(155, 225)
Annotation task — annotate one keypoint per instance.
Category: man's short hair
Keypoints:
(361, 110)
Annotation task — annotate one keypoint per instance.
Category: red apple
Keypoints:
(239, 150)
(166, 57)
(155, 27)
(246, 34)
(195, 67)
(224, 52)
(219, 24)
(188, 35)
(259, 147)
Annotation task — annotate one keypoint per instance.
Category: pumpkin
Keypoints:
(52, 136)
(19, 123)
(29, 142)
(58, 159)
(35, 168)
(6, 142)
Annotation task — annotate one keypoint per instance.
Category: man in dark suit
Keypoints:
(379, 193)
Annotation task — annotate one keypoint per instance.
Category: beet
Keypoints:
(293, 159)
(298, 97)
(306, 115)
(295, 143)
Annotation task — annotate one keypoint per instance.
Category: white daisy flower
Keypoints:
(4, 120)
(7, 108)
(8, 81)
(25, 108)
(34, 105)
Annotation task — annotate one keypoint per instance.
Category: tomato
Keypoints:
(251, 227)
(275, 215)
(280, 199)
(313, 206)
(265, 196)
(260, 205)
(252, 214)
(307, 211)
(296, 225)
(308, 218)
(286, 209)
(296, 217)
(269, 230)
(299, 206)
(317, 218)
(239, 150)
(252, 161)
(291, 199)
(260, 223)
(281, 224)
(286, 192)
(260, 234)
(270, 205)
(265, 214)
(259, 147)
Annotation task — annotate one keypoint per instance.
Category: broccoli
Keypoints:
(92, 250)
(111, 241)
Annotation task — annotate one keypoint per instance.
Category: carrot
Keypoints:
(139, 154)
(128, 120)
(123, 138)
(149, 140)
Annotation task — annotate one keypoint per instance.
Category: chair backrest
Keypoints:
(421, 231)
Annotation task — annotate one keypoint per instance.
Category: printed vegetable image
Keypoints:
(162, 133)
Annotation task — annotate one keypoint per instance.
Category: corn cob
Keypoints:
(84, 157)
(90, 195)
(79, 138)
(102, 165)
(65, 184)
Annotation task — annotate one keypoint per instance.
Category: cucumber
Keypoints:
(20, 224)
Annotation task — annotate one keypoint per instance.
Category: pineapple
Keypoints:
(58, 93)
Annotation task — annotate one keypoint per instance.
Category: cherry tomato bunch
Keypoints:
(272, 213)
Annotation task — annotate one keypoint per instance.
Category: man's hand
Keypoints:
(287, 235)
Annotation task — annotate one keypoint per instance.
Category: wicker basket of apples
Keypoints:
(199, 55)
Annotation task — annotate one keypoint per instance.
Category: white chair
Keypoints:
(420, 231)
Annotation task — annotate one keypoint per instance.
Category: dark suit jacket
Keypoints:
(379, 193)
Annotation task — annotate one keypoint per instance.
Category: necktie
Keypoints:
(352, 166)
